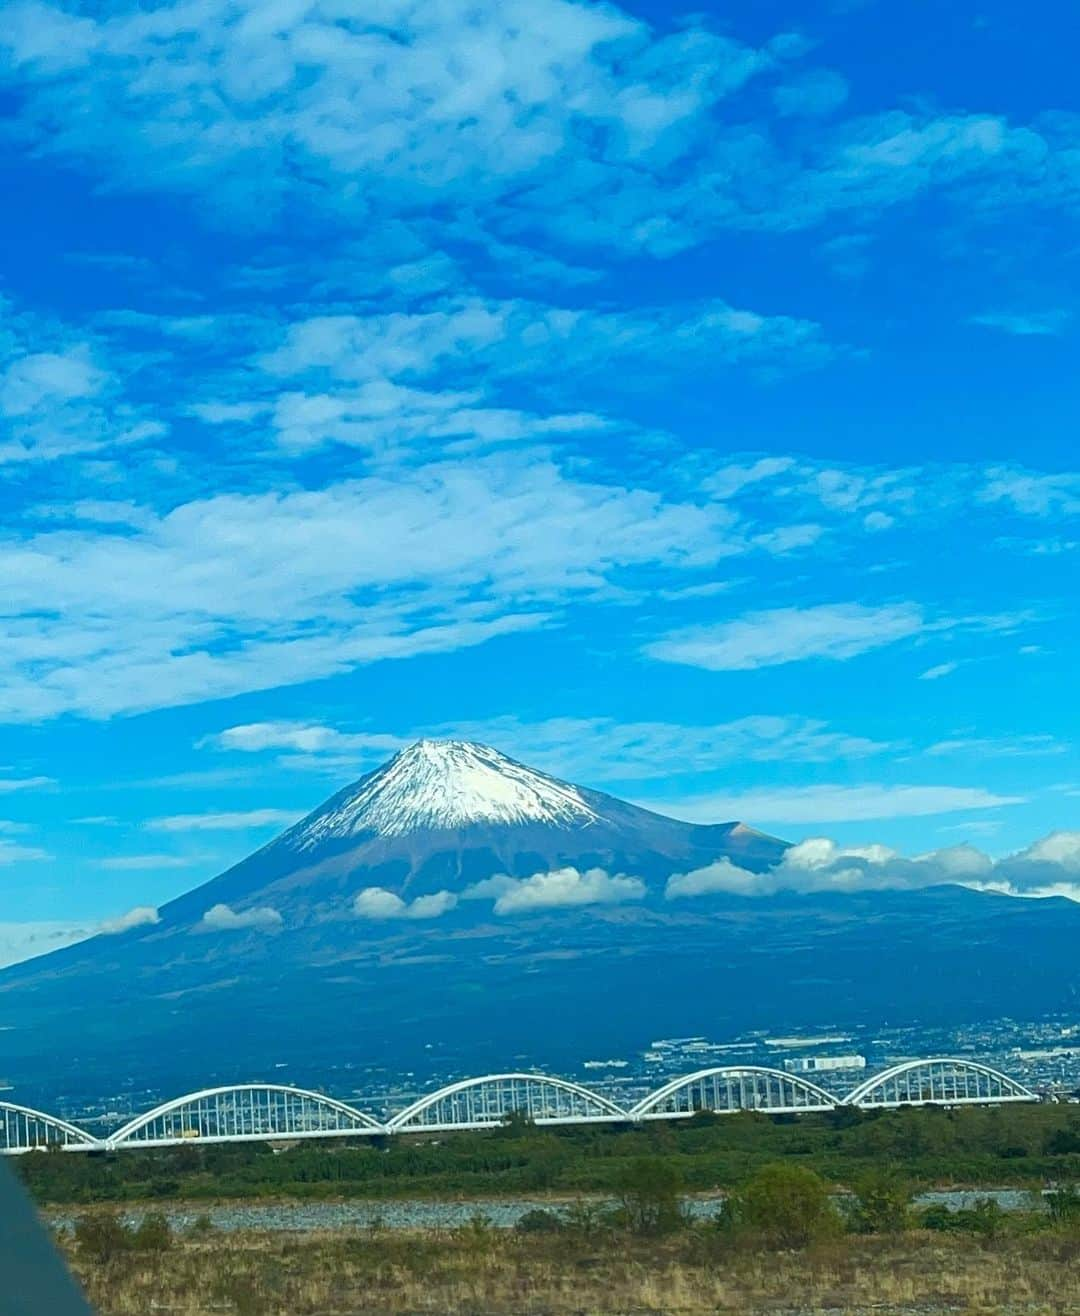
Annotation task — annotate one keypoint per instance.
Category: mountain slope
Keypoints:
(289, 980)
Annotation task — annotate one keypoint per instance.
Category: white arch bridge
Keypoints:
(262, 1112)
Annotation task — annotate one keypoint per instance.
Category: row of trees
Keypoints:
(781, 1207)
(789, 1206)
(1024, 1145)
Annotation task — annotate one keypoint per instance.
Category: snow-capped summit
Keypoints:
(439, 785)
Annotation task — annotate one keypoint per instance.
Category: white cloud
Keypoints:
(597, 749)
(223, 822)
(468, 102)
(271, 589)
(303, 738)
(12, 852)
(815, 92)
(377, 903)
(936, 673)
(564, 888)
(1049, 867)
(8, 785)
(58, 397)
(835, 803)
(364, 374)
(135, 862)
(832, 631)
(721, 876)
(1020, 746)
(1032, 493)
(24, 941)
(220, 918)
(587, 749)
(433, 906)
(140, 917)
(527, 118)
(1025, 324)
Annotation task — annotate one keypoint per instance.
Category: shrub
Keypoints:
(881, 1203)
(940, 1219)
(786, 1206)
(987, 1218)
(586, 1218)
(539, 1221)
(102, 1237)
(649, 1196)
(1063, 1204)
(154, 1234)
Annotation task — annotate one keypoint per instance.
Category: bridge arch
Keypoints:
(942, 1081)
(23, 1129)
(478, 1103)
(246, 1112)
(733, 1088)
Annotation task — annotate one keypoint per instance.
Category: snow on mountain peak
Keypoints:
(446, 784)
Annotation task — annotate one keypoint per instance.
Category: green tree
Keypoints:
(648, 1192)
(787, 1206)
(517, 1124)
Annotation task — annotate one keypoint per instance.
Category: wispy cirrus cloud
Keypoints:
(832, 631)
(9, 785)
(831, 803)
(485, 549)
(1026, 324)
(15, 852)
(301, 738)
(235, 821)
(939, 671)
(1031, 745)
(383, 358)
(594, 749)
(136, 863)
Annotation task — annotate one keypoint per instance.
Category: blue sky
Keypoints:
(685, 403)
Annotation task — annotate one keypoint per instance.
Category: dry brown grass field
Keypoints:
(475, 1271)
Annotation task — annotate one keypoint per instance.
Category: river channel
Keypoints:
(499, 1213)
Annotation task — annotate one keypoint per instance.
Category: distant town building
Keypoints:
(816, 1064)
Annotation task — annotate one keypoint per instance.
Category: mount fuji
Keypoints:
(456, 910)
(442, 817)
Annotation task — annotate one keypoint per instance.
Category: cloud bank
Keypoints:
(24, 941)
(1049, 867)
